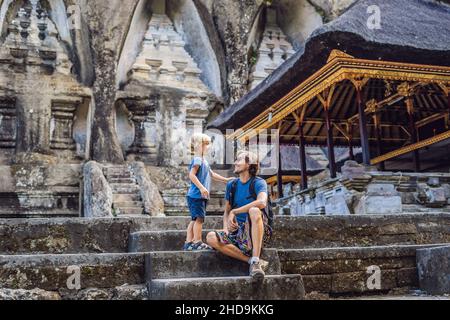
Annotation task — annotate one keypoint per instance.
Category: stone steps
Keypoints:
(129, 211)
(331, 253)
(78, 235)
(326, 232)
(126, 192)
(334, 271)
(116, 180)
(124, 188)
(179, 264)
(51, 272)
(169, 240)
(287, 287)
(341, 271)
(119, 198)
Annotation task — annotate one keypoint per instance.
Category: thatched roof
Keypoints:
(413, 31)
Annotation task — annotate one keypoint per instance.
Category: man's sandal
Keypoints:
(200, 246)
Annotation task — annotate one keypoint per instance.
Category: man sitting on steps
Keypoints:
(244, 218)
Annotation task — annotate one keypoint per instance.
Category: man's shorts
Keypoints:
(240, 238)
(197, 208)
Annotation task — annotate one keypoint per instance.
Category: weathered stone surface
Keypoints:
(58, 236)
(434, 270)
(163, 265)
(53, 272)
(35, 294)
(98, 195)
(36, 190)
(136, 292)
(380, 199)
(236, 288)
(153, 201)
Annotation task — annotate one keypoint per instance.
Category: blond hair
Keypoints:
(198, 139)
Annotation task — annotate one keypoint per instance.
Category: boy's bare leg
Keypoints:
(257, 231)
(190, 232)
(226, 249)
(198, 230)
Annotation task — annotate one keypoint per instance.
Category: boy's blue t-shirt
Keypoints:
(243, 196)
(203, 175)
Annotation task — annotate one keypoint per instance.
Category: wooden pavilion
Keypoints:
(393, 105)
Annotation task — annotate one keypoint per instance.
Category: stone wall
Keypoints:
(36, 191)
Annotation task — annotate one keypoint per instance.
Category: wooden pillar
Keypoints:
(413, 130)
(378, 133)
(448, 100)
(350, 141)
(303, 166)
(330, 143)
(363, 126)
(280, 173)
(326, 101)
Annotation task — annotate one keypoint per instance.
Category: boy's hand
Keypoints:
(205, 193)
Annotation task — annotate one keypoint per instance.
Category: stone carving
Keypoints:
(431, 194)
(179, 101)
(33, 38)
(273, 51)
(380, 199)
(8, 124)
(163, 58)
(143, 116)
(336, 202)
(61, 125)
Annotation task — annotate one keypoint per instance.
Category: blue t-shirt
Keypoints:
(203, 175)
(243, 196)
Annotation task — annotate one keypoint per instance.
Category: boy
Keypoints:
(200, 175)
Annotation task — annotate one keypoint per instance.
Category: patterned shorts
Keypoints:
(241, 238)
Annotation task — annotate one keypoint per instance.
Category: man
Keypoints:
(242, 237)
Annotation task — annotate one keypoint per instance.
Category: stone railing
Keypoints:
(361, 190)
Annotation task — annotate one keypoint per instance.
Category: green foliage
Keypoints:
(253, 57)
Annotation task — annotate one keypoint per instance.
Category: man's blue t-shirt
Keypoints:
(203, 175)
(243, 196)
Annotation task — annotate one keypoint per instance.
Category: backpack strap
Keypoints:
(233, 192)
(253, 187)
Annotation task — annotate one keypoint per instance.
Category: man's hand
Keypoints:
(232, 224)
(205, 193)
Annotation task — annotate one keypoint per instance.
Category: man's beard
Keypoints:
(238, 172)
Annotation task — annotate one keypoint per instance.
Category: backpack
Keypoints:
(268, 211)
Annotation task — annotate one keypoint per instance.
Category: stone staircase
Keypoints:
(126, 193)
(138, 257)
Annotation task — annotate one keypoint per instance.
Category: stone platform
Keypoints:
(139, 258)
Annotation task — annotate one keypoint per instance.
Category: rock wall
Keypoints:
(116, 81)
(87, 59)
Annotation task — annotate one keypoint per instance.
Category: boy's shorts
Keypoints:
(197, 208)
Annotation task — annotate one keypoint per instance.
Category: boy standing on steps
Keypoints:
(200, 175)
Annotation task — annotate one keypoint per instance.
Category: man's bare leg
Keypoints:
(257, 231)
(226, 249)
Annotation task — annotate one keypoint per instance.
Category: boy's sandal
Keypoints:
(188, 246)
